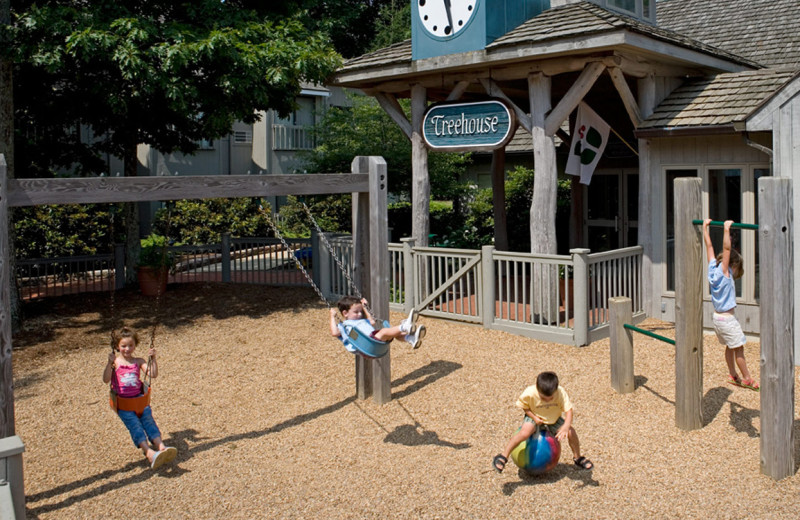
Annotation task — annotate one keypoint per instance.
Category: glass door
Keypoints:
(612, 210)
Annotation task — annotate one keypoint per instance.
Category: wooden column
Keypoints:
(361, 259)
(621, 344)
(379, 270)
(688, 305)
(499, 199)
(543, 204)
(647, 192)
(7, 427)
(420, 181)
(777, 326)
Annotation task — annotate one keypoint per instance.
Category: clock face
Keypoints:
(445, 18)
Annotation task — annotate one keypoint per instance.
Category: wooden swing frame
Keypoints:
(367, 183)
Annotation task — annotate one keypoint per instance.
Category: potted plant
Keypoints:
(154, 265)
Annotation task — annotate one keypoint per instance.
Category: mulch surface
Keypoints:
(260, 402)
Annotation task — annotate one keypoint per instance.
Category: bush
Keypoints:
(198, 222)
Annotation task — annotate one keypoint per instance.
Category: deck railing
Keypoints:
(558, 298)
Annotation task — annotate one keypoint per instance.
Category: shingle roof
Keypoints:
(585, 18)
(765, 31)
(718, 100)
(560, 23)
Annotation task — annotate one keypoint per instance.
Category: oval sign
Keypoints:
(481, 125)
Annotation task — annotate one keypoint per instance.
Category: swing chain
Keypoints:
(294, 256)
(335, 257)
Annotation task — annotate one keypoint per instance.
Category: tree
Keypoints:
(365, 129)
(151, 71)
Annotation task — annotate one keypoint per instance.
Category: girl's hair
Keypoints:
(123, 333)
(547, 383)
(735, 262)
(346, 302)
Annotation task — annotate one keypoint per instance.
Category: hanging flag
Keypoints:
(588, 143)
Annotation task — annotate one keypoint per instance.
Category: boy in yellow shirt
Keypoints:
(543, 404)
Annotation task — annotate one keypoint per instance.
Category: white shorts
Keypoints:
(729, 331)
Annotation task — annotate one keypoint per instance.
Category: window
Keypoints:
(242, 136)
(205, 144)
(671, 175)
(642, 9)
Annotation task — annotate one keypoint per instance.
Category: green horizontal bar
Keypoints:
(720, 223)
(651, 334)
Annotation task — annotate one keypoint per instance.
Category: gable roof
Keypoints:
(724, 100)
(535, 37)
(765, 31)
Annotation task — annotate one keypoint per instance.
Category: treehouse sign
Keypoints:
(464, 127)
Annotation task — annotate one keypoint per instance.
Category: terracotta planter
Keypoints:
(153, 280)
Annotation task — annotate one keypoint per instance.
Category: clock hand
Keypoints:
(449, 17)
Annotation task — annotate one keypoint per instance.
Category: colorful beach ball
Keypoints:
(538, 453)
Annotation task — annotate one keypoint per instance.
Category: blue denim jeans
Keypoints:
(141, 428)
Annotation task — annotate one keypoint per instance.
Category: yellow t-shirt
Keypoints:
(550, 411)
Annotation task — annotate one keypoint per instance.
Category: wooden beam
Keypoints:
(390, 105)
(7, 422)
(627, 96)
(84, 190)
(777, 326)
(458, 90)
(420, 178)
(574, 96)
(493, 89)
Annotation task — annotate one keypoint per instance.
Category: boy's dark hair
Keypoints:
(547, 383)
(346, 302)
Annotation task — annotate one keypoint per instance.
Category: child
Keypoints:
(123, 371)
(723, 269)
(357, 316)
(543, 405)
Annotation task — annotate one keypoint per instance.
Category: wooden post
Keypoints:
(379, 269)
(361, 259)
(580, 298)
(409, 287)
(226, 257)
(620, 312)
(6, 377)
(499, 199)
(688, 305)
(420, 179)
(487, 308)
(777, 326)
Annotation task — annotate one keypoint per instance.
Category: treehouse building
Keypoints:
(697, 88)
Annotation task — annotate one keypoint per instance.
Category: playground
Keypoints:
(260, 401)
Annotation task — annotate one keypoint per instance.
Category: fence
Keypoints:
(558, 298)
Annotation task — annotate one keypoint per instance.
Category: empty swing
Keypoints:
(365, 344)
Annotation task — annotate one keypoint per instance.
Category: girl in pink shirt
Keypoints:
(123, 371)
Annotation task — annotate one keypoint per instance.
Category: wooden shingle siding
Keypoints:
(718, 100)
(765, 31)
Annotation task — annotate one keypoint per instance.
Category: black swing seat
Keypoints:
(368, 346)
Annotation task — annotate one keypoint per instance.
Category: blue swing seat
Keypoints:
(368, 346)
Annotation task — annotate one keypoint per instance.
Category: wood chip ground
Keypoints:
(259, 400)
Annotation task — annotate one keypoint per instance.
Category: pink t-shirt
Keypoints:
(128, 382)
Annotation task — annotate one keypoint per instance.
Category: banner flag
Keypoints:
(588, 143)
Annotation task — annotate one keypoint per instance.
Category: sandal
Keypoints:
(751, 384)
(734, 380)
(583, 463)
(499, 463)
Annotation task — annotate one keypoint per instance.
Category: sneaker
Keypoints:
(163, 457)
(416, 339)
(407, 325)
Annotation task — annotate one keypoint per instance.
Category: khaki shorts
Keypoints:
(729, 331)
(552, 428)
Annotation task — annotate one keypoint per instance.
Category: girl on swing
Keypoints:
(123, 372)
(356, 315)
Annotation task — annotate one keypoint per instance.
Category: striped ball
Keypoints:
(538, 453)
